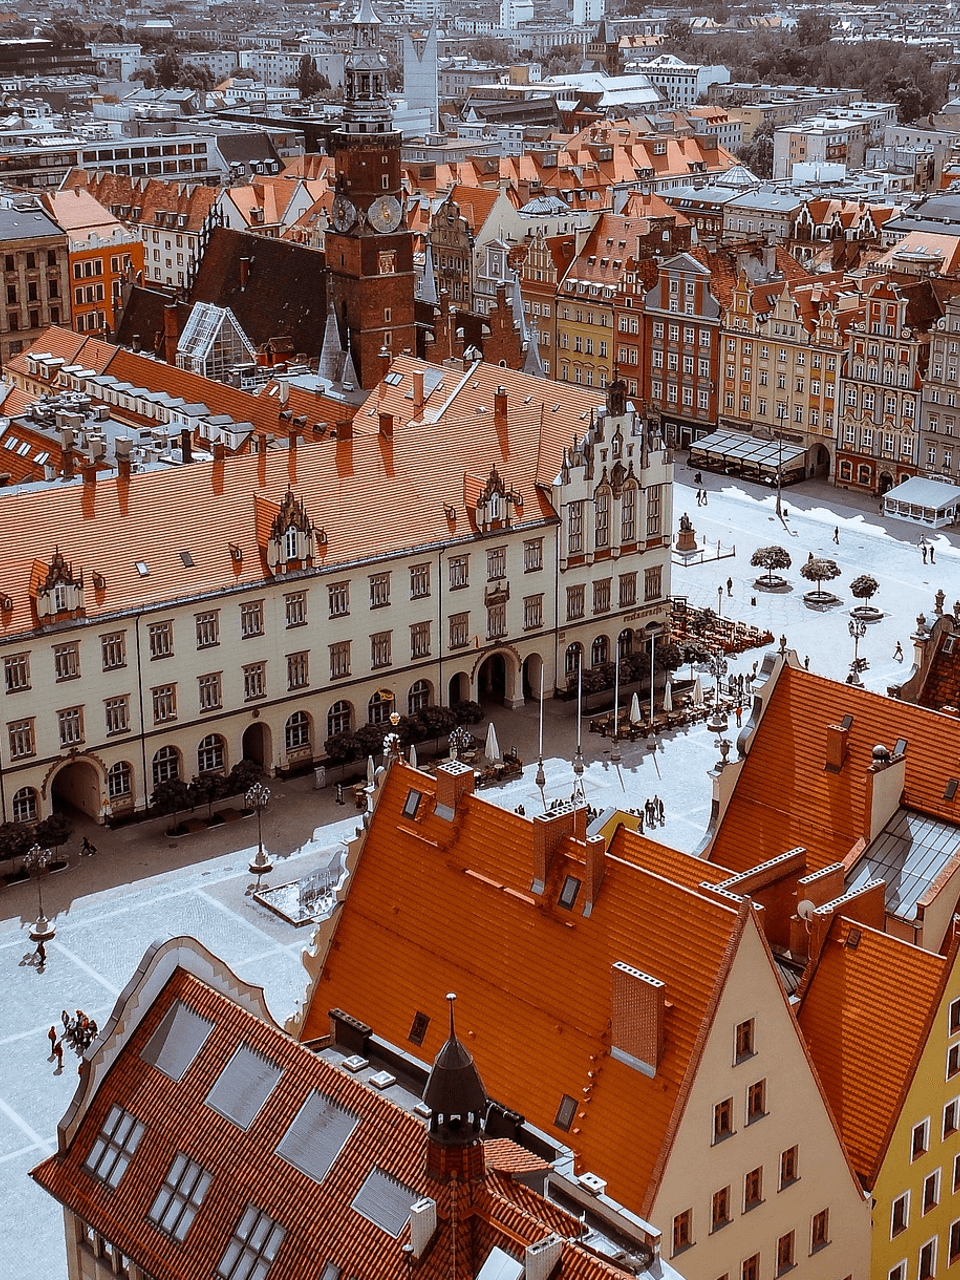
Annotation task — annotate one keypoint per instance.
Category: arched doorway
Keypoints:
(77, 786)
(492, 679)
(532, 676)
(459, 688)
(886, 482)
(255, 744)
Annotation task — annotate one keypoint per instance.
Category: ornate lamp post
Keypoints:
(718, 669)
(857, 628)
(781, 414)
(258, 797)
(36, 862)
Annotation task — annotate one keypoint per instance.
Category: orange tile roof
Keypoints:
(865, 1014)
(784, 797)
(320, 1221)
(370, 495)
(533, 979)
(149, 195)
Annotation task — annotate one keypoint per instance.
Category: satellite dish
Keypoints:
(805, 909)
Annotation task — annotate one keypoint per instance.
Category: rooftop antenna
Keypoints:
(578, 758)
(541, 778)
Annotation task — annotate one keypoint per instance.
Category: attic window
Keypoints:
(418, 1030)
(142, 569)
(176, 1042)
(243, 1087)
(900, 746)
(853, 939)
(180, 1196)
(114, 1147)
(846, 722)
(565, 1113)
(951, 789)
(187, 559)
(317, 1134)
(385, 1201)
(568, 894)
(255, 1243)
(412, 803)
(947, 644)
(393, 379)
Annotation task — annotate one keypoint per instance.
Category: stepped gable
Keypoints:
(785, 797)
(865, 1011)
(505, 946)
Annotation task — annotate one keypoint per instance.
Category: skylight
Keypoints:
(187, 559)
(143, 568)
(114, 1147)
(180, 1196)
(253, 1246)
(318, 1133)
(385, 1201)
(177, 1041)
(243, 1086)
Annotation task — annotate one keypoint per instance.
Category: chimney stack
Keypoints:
(136, 343)
(386, 426)
(186, 445)
(244, 272)
(548, 830)
(500, 409)
(637, 1018)
(837, 745)
(219, 451)
(123, 446)
(69, 459)
(418, 395)
(385, 359)
(170, 335)
(89, 471)
(454, 781)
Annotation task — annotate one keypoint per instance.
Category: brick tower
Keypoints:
(369, 250)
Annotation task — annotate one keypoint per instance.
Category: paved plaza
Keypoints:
(143, 886)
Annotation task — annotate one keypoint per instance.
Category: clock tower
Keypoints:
(369, 251)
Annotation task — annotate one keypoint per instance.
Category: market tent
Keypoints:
(931, 502)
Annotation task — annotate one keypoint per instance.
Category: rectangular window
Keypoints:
(950, 1115)
(419, 581)
(380, 649)
(920, 1139)
(953, 1061)
(179, 1197)
(756, 1101)
(601, 595)
(496, 620)
(252, 1247)
(652, 579)
(653, 511)
(752, 1189)
(379, 590)
(565, 1113)
(254, 681)
(750, 1268)
(723, 1119)
(459, 630)
(601, 532)
(459, 572)
(683, 1231)
(338, 599)
(628, 515)
(208, 629)
(295, 609)
(164, 703)
(785, 1253)
(900, 1214)
(420, 640)
(66, 661)
(928, 1260)
(954, 1017)
(114, 1146)
(533, 555)
(743, 1041)
(21, 739)
(339, 659)
(575, 603)
(161, 639)
(627, 594)
(532, 612)
(16, 672)
(298, 670)
(953, 1247)
(251, 619)
(496, 564)
(720, 1208)
(820, 1230)
(574, 528)
(210, 691)
(117, 712)
(931, 1191)
(70, 724)
(788, 1167)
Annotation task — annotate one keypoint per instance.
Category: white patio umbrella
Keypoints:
(371, 771)
(413, 755)
(491, 748)
(636, 715)
(698, 693)
(668, 696)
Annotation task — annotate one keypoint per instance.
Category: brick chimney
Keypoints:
(454, 781)
(418, 395)
(68, 455)
(500, 409)
(123, 446)
(636, 1018)
(186, 445)
(385, 361)
(386, 426)
(219, 451)
(244, 272)
(548, 830)
(837, 746)
(170, 335)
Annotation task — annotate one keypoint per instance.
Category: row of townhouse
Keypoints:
(170, 622)
(744, 338)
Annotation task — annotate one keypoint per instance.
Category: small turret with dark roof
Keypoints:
(458, 1104)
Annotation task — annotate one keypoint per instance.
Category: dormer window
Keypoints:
(292, 541)
(55, 589)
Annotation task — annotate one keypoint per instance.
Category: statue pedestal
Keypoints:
(686, 539)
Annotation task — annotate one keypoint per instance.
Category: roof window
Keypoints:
(114, 1147)
(385, 1201)
(568, 894)
(187, 559)
(176, 1042)
(412, 803)
(253, 1246)
(143, 569)
(418, 1029)
(180, 1196)
(243, 1087)
(317, 1134)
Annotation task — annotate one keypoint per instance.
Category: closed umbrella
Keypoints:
(636, 715)
(698, 693)
(668, 696)
(371, 771)
(413, 755)
(491, 748)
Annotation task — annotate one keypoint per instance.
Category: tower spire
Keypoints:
(457, 1100)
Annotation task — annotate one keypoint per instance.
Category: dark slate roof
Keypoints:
(142, 319)
(284, 294)
(24, 224)
(246, 148)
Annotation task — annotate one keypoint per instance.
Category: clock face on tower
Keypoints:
(384, 214)
(344, 213)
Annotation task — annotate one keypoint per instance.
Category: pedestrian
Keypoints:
(86, 848)
(729, 586)
(639, 813)
(704, 497)
(698, 479)
(923, 548)
(931, 556)
(41, 955)
(58, 1054)
(806, 663)
(738, 712)
(52, 1036)
(898, 652)
(809, 556)
(836, 534)
(340, 799)
(659, 803)
(65, 1018)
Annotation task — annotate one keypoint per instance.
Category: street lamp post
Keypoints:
(781, 414)
(258, 797)
(718, 669)
(720, 601)
(36, 862)
(857, 628)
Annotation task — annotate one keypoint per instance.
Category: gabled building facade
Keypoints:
(682, 320)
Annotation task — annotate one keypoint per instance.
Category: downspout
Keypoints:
(143, 740)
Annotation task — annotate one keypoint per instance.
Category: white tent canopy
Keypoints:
(931, 502)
